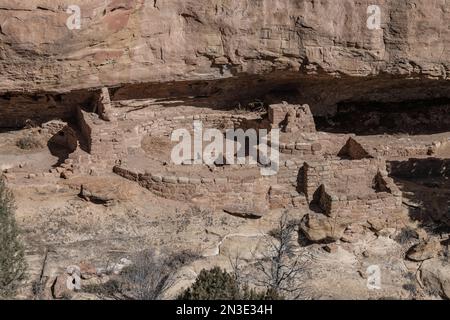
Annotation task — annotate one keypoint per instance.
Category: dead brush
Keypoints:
(29, 143)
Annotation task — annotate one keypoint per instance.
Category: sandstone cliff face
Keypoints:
(131, 41)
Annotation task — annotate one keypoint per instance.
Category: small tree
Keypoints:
(281, 270)
(149, 277)
(12, 260)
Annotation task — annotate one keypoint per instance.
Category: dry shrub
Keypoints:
(29, 143)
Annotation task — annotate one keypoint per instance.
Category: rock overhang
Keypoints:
(206, 40)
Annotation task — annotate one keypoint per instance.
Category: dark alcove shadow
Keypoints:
(425, 184)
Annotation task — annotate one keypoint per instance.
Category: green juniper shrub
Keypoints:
(218, 284)
(12, 259)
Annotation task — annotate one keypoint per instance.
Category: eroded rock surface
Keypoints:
(436, 275)
(125, 41)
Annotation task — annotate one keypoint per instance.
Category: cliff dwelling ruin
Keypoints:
(363, 168)
(342, 166)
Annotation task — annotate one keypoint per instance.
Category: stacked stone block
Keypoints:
(221, 190)
(291, 118)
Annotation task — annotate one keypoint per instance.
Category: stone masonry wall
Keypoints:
(291, 118)
(360, 207)
(335, 173)
(161, 126)
(221, 191)
(103, 142)
(85, 128)
(301, 148)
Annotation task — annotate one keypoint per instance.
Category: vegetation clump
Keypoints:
(12, 257)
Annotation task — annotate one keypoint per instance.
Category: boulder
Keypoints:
(318, 227)
(87, 270)
(66, 284)
(377, 224)
(424, 251)
(104, 190)
(60, 289)
(96, 195)
(73, 270)
(435, 275)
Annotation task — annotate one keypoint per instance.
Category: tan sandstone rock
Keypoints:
(87, 270)
(436, 276)
(424, 251)
(188, 40)
(318, 227)
(60, 289)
